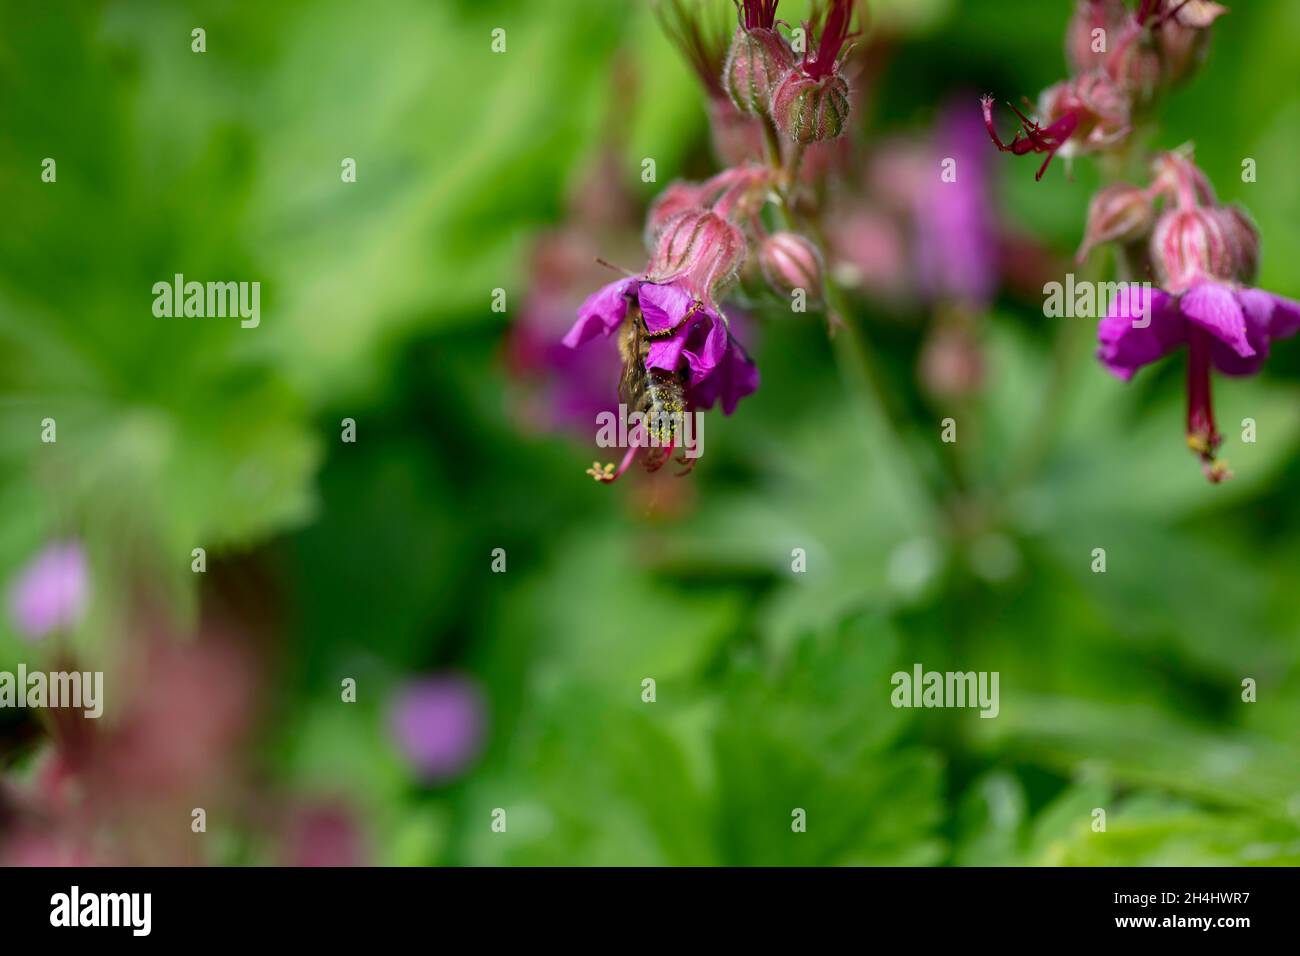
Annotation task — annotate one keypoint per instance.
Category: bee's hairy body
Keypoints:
(660, 396)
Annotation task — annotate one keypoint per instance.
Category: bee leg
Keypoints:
(660, 455)
(687, 463)
(670, 332)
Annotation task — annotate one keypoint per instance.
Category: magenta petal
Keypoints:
(1214, 308)
(666, 353)
(1141, 327)
(1285, 321)
(602, 312)
(703, 357)
(1257, 309)
(664, 306)
(734, 377)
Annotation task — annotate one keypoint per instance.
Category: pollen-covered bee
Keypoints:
(661, 397)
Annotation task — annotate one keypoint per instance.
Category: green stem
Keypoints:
(852, 351)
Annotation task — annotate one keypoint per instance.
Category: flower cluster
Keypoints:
(1122, 59)
(1202, 255)
(678, 347)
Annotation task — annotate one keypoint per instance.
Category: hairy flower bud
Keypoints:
(1118, 213)
(811, 103)
(1190, 246)
(701, 246)
(676, 198)
(790, 262)
(756, 62)
(811, 109)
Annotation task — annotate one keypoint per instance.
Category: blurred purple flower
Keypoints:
(438, 723)
(956, 224)
(50, 593)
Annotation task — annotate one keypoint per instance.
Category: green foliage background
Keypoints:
(1119, 690)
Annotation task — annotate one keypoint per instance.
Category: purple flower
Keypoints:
(698, 254)
(438, 723)
(687, 331)
(1224, 326)
(50, 593)
(956, 225)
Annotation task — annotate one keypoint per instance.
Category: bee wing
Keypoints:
(631, 346)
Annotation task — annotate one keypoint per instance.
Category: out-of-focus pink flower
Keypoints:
(557, 388)
(956, 224)
(43, 849)
(439, 724)
(323, 834)
(870, 251)
(172, 737)
(50, 593)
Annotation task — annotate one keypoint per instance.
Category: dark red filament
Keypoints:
(833, 35)
(1032, 138)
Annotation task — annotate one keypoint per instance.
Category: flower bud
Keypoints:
(811, 109)
(1180, 181)
(1137, 67)
(702, 247)
(675, 199)
(951, 364)
(1184, 36)
(1198, 14)
(1118, 213)
(1085, 48)
(1244, 239)
(757, 60)
(1191, 245)
(790, 262)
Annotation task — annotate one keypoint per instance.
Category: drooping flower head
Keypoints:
(681, 334)
(1205, 256)
(811, 103)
